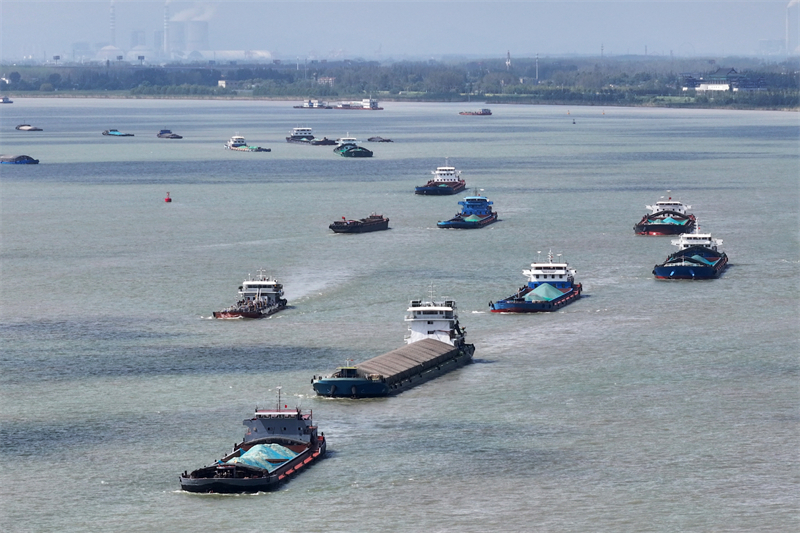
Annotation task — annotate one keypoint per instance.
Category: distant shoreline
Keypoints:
(487, 101)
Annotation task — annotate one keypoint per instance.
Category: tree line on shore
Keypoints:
(591, 81)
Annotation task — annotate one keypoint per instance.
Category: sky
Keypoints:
(390, 30)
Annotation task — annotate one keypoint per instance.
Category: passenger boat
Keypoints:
(478, 112)
(259, 297)
(300, 136)
(373, 222)
(446, 180)
(368, 104)
(18, 160)
(550, 287)
(698, 257)
(476, 212)
(167, 134)
(278, 444)
(348, 147)
(667, 217)
(27, 127)
(435, 344)
(238, 143)
(313, 104)
(117, 133)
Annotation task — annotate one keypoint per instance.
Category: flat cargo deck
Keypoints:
(407, 361)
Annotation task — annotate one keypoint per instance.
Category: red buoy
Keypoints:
(167, 199)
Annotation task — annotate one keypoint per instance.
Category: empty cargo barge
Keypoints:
(436, 345)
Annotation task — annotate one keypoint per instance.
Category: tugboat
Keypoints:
(313, 104)
(476, 212)
(446, 180)
(373, 222)
(260, 297)
(117, 133)
(480, 112)
(278, 443)
(550, 287)
(300, 136)
(18, 160)
(167, 134)
(698, 257)
(435, 345)
(238, 143)
(348, 147)
(27, 127)
(667, 217)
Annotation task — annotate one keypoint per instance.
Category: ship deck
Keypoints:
(409, 360)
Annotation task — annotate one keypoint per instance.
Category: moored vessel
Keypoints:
(698, 257)
(374, 222)
(167, 134)
(476, 212)
(278, 444)
(313, 104)
(667, 217)
(435, 344)
(446, 180)
(259, 297)
(18, 160)
(238, 144)
(550, 286)
(479, 112)
(368, 104)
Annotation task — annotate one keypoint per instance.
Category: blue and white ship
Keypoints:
(476, 212)
(550, 287)
(435, 344)
(698, 257)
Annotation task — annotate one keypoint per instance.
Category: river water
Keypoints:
(645, 406)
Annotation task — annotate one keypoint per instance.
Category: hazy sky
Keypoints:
(380, 29)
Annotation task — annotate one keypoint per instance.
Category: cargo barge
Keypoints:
(435, 345)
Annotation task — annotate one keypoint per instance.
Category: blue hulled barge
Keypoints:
(476, 212)
(550, 287)
(698, 257)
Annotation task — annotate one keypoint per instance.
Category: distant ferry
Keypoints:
(367, 103)
(478, 112)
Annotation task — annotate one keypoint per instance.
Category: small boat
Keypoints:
(313, 104)
(698, 257)
(278, 444)
(446, 180)
(550, 287)
(18, 160)
(667, 217)
(27, 127)
(6, 100)
(379, 139)
(238, 143)
(300, 136)
(368, 104)
(480, 112)
(260, 297)
(435, 345)
(167, 134)
(476, 212)
(348, 147)
(373, 222)
(117, 133)
(323, 142)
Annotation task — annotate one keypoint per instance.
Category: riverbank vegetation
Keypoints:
(632, 81)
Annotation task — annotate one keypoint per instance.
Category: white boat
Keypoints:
(367, 103)
(313, 104)
(300, 135)
(259, 297)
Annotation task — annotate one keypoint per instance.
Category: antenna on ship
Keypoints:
(279, 398)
